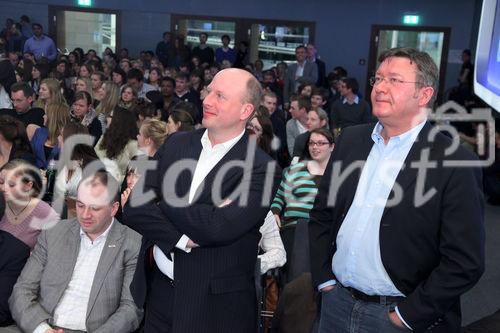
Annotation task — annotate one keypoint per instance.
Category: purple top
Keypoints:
(29, 229)
(41, 47)
(221, 55)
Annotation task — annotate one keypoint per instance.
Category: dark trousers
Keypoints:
(341, 313)
(159, 304)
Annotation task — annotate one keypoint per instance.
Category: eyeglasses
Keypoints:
(318, 143)
(374, 80)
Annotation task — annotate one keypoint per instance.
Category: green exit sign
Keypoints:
(411, 19)
(85, 3)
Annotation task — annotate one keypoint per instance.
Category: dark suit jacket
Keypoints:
(433, 253)
(14, 254)
(214, 284)
(321, 82)
(300, 148)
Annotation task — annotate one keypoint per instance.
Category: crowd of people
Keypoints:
(108, 265)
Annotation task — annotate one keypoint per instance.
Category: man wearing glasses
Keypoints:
(397, 230)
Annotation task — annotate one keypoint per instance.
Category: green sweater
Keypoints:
(296, 194)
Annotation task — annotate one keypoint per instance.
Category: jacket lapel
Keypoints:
(358, 153)
(408, 173)
(69, 247)
(192, 152)
(108, 256)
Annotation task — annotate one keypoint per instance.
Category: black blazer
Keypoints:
(321, 73)
(214, 284)
(433, 253)
(14, 254)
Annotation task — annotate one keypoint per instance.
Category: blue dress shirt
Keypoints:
(357, 262)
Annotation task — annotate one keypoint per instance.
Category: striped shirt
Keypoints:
(296, 194)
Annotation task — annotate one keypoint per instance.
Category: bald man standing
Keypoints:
(203, 233)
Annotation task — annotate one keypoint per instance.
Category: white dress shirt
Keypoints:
(209, 157)
(71, 311)
(274, 252)
(302, 128)
(300, 70)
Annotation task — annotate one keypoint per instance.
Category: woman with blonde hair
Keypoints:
(110, 96)
(44, 139)
(152, 134)
(50, 93)
(84, 84)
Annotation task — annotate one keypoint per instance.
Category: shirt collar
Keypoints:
(104, 235)
(38, 38)
(356, 100)
(407, 137)
(206, 144)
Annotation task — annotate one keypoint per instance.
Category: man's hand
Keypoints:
(51, 330)
(191, 245)
(225, 203)
(125, 195)
(328, 288)
(393, 316)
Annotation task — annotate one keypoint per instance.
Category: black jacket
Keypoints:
(433, 253)
(214, 284)
(14, 254)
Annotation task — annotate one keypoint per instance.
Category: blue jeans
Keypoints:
(341, 313)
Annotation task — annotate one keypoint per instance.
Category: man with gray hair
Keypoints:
(397, 230)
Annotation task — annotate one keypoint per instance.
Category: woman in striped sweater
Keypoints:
(299, 186)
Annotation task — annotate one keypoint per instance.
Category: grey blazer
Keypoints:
(292, 132)
(48, 271)
(310, 75)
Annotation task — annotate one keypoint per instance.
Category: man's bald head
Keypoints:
(252, 90)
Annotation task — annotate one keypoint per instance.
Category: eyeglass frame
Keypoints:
(318, 143)
(390, 80)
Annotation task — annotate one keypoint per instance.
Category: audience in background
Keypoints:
(130, 105)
